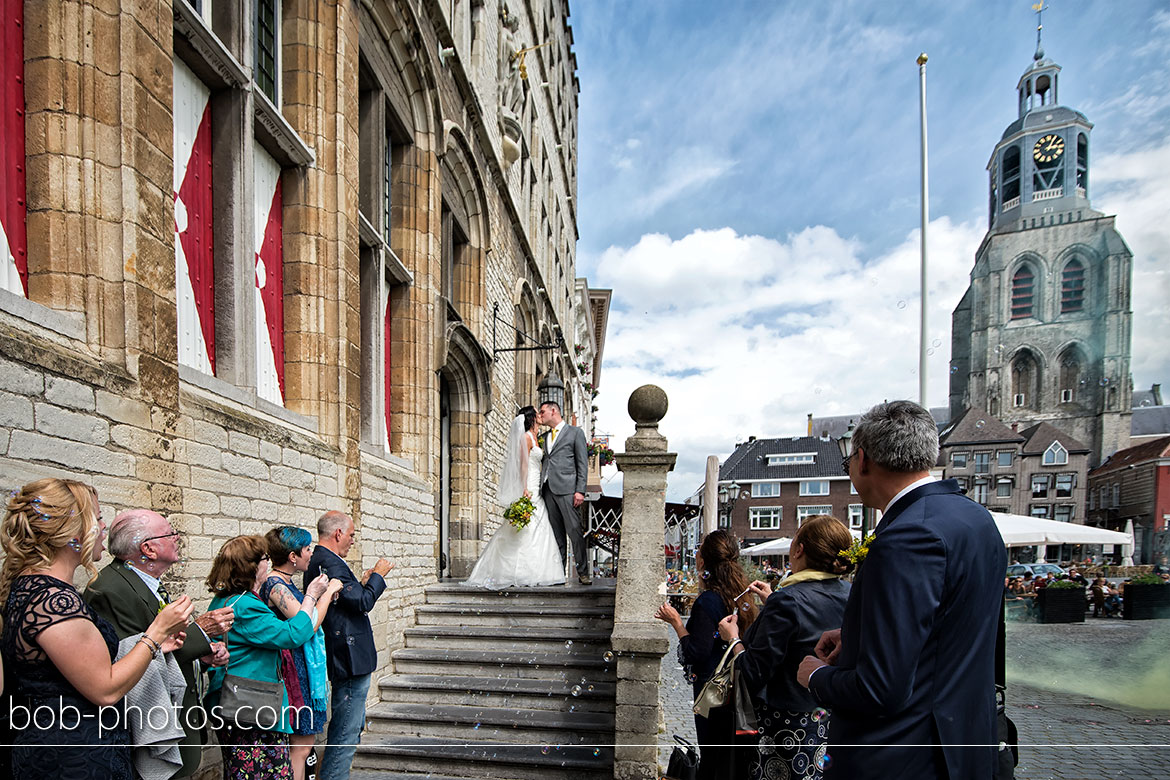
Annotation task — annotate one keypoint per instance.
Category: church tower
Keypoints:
(1043, 332)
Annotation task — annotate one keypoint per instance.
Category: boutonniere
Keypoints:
(857, 551)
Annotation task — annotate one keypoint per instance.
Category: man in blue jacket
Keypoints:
(349, 639)
(910, 675)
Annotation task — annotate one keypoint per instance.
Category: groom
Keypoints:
(562, 483)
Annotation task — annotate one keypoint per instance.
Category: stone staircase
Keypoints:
(513, 685)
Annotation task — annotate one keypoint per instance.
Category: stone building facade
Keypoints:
(368, 205)
(1134, 486)
(1043, 332)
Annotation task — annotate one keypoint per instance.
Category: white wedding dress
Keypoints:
(526, 557)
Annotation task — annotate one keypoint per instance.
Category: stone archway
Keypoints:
(465, 400)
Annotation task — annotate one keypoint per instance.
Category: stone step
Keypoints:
(515, 692)
(407, 758)
(491, 724)
(548, 598)
(517, 639)
(524, 664)
(506, 614)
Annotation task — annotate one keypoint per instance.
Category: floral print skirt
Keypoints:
(791, 746)
(254, 754)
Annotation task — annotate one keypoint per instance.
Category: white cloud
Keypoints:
(748, 334)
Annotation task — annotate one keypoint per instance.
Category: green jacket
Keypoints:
(121, 597)
(256, 638)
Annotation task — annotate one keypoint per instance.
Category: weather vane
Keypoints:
(1039, 8)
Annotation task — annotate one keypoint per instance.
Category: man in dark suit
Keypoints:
(129, 593)
(562, 483)
(910, 675)
(349, 639)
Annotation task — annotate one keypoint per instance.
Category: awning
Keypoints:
(779, 546)
(1021, 530)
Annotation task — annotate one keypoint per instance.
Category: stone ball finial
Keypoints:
(648, 405)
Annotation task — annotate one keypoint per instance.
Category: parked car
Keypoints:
(1037, 569)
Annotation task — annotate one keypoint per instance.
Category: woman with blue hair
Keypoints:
(306, 675)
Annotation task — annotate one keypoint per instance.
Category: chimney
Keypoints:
(751, 439)
(810, 423)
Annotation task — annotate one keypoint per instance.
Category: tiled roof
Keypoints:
(750, 462)
(1132, 456)
(1041, 435)
(974, 427)
(835, 427)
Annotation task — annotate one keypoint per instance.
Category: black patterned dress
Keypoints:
(64, 741)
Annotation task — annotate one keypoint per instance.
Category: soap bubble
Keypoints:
(901, 304)
(597, 751)
(980, 423)
(930, 350)
(569, 644)
(954, 369)
(819, 714)
(937, 342)
(476, 727)
(706, 574)
(607, 656)
(544, 749)
(576, 690)
(824, 762)
(817, 390)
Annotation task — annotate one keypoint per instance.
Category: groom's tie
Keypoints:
(552, 438)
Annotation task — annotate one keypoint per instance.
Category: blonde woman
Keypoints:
(59, 653)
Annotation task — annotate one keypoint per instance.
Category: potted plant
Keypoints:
(1062, 601)
(1146, 597)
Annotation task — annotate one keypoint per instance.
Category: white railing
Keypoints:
(1055, 192)
(1011, 204)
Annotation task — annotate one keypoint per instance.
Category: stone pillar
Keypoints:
(638, 639)
(711, 496)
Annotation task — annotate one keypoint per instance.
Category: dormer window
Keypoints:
(793, 458)
(1055, 455)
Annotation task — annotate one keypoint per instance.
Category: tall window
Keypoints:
(980, 491)
(1070, 372)
(1011, 175)
(1025, 380)
(1023, 293)
(1083, 165)
(1003, 488)
(1063, 513)
(1072, 287)
(764, 518)
(1064, 485)
(982, 462)
(855, 514)
(266, 72)
(1040, 486)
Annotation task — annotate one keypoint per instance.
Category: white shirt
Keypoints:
(151, 582)
(557, 432)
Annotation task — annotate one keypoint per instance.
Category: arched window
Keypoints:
(1083, 165)
(1070, 376)
(1072, 287)
(1023, 293)
(1025, 380)
(1011, 175)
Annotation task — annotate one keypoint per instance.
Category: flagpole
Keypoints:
(925, 219)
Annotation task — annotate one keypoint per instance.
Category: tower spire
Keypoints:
(1039, 8)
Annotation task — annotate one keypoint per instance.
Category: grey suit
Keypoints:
(563, 473)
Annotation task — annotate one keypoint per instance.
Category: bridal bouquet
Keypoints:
(519, 513)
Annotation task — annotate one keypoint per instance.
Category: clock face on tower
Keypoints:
(1048, 148)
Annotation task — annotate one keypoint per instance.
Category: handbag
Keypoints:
(717, 690)
(246, 703)
(684, 761)
(743, 709)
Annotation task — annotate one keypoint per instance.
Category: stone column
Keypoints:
(638, 639)
(711, 496)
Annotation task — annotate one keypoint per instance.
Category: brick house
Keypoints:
(1037, 471)
(768, 486)
(1134, 484)
(367, 207)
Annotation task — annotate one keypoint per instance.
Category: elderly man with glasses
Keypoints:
(129, 592)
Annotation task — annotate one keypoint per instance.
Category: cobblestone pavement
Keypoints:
(1091, 700)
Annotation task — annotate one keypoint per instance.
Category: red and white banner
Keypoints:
(194, 267)
(13, 244)
(269, 225)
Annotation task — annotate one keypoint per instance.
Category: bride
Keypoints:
(529, 556)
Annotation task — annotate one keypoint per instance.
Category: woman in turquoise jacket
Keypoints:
(254, 642)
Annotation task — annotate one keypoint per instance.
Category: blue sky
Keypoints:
(748, 186)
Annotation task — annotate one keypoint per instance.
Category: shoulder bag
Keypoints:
(246, 703)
